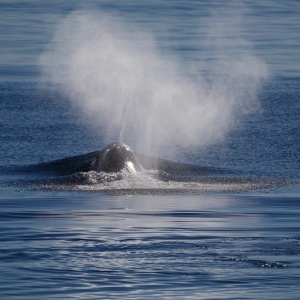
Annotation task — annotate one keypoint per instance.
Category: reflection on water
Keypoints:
(144, 246)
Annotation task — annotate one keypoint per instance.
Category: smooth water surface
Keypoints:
(74, 245)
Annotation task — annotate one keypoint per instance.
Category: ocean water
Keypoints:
(227, 74)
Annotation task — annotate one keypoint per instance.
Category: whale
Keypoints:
(112, 158)
(116, 157)
(96, 170)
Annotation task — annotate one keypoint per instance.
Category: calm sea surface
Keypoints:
(234, 235)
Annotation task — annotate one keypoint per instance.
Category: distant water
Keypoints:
(181, 26)
(235, 237)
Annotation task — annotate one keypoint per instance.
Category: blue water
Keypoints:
(233, 234)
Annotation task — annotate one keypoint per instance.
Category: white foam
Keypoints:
(145, 182)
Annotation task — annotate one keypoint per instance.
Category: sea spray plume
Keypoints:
(117, 74)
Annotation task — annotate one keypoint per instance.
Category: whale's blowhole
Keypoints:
(117, 157)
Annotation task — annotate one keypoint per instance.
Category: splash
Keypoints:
(117, 74)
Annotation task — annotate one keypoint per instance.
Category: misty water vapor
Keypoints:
(117, 74)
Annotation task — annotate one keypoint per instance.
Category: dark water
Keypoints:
(229, 234)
